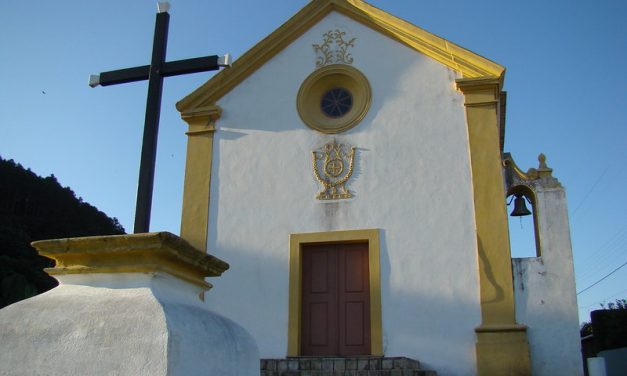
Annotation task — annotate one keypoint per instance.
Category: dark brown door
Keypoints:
(336, 300)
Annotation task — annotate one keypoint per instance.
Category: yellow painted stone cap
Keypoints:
(136, 253)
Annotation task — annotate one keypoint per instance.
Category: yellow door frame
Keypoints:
(371, 236)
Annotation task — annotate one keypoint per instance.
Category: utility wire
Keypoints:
(605, 262)
(590, 191)
(607, 275)
(597, 303)
(594, 262)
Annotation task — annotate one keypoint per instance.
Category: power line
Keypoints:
(607, 275)
(590, 191)
(604, 261)
(597, 303)
(595, 262)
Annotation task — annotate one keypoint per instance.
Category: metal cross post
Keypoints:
(154, 73)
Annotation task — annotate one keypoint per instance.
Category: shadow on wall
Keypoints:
(435, 327)
(496, 291)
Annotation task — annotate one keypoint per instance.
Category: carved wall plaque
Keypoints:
(333, 166)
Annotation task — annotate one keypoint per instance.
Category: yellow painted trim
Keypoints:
(457, 58)
(197, 185)
(137, 253)
(508, 161)
(503, 352)
(295, 264)
(500, 328)
(502, 347)
(327, 78)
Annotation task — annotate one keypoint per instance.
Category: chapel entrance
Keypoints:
(335, 300)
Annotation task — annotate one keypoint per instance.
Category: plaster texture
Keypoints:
(545, 294)
(123, 324)
(412, 180)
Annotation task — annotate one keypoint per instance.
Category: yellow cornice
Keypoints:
(137, 253)
(455, 57)
(480, 83)
(208, 114)
(469, 64)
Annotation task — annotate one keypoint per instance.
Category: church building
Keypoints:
(350, 169)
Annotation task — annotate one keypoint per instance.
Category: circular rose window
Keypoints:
(334, 98)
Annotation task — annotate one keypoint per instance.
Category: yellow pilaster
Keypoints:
(502, 347)
(196, 189)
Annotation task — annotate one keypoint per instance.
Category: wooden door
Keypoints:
(335, 300)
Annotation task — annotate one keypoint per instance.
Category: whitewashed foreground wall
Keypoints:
(122, 324)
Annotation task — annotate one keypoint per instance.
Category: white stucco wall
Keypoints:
(545, 295)
(122, 324)
(411, 180)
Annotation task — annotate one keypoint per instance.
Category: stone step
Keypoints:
(413, 372)
(345, 366)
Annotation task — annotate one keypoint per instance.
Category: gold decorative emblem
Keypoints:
(333, 166)
(334, 49)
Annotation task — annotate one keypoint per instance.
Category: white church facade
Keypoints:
(350, 169)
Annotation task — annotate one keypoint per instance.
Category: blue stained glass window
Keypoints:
(336, 102)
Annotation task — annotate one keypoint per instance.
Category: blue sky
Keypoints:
(566, 82)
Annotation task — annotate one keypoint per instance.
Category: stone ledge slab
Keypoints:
(346, 366)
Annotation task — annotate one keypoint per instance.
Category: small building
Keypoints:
(350, 169)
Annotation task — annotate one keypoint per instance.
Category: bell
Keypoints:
(520, 209)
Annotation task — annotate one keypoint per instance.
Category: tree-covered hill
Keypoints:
(35, 208)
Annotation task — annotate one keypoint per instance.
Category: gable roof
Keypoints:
(469, 64)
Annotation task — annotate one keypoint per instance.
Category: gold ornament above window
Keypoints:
(334, 98)
(334, 49)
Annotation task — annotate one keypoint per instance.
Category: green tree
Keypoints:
(35, 208)
(619, 304)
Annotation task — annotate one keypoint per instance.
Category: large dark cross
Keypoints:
(154, 73)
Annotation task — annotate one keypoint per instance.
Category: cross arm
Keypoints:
(172, 68)
(195, 65)
(120, 76)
